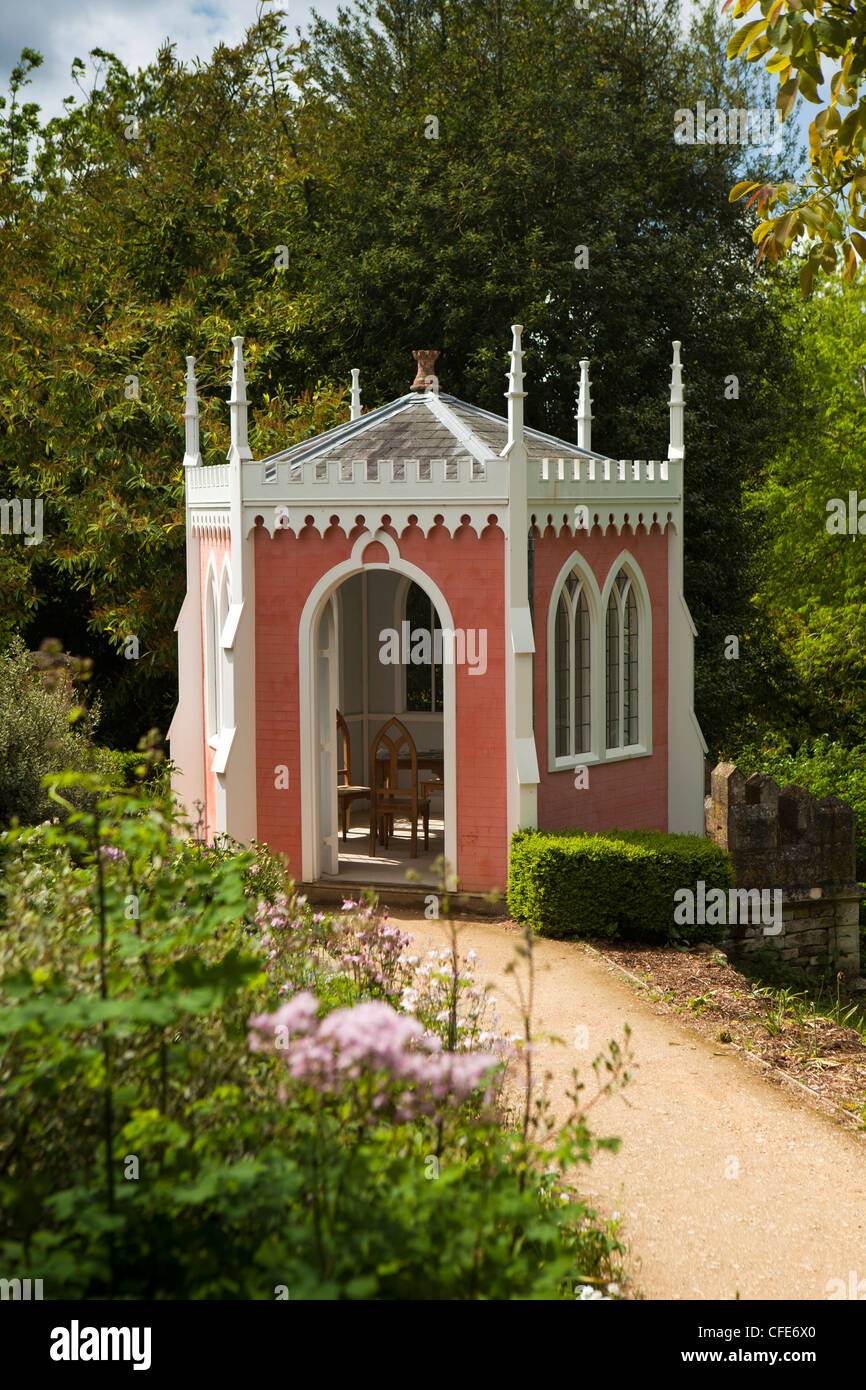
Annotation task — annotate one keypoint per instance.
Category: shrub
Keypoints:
(41, 732)
(159, 1140)
(619, 883)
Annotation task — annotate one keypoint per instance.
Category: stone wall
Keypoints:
(787, 839)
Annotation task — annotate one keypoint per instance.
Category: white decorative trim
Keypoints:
(230, 626)
(592, 593)
(625, 560)
(471, 442)
(223, 747)
(374, 516)
(522, 637)
(618, 517)
(186, 733)
(212, 674)
(213, 525)
(211, 475)
(686, 745)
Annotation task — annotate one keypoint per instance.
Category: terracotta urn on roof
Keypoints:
(426, 359)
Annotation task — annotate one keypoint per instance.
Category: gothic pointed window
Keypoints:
(572, 669)
(622, 646)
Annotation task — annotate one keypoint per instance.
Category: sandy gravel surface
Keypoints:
(792, 1214)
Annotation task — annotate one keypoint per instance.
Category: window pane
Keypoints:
(613, 675)
(562, 646)
(582, 659)
(423, 681)
(630, 669)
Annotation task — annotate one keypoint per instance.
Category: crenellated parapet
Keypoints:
(787, 839)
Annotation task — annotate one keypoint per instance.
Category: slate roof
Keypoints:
(410, 428)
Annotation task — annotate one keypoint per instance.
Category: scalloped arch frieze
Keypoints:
(374, 520)
(620, 518)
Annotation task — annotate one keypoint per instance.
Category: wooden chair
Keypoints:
(429, 785)
(388, 798)
(346, 791)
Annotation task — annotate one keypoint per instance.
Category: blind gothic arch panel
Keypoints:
(217, 603)
(599, 665)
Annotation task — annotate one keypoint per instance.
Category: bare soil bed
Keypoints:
(709, 994)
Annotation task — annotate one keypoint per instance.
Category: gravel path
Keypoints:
(726, 1184)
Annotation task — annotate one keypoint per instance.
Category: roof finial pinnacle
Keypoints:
(238, 404)
(584, 408)
(192, 456)
(676, 448)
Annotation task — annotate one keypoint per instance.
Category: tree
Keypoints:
(43, 730)
(826, 214)
(147, 225)
(809, 499)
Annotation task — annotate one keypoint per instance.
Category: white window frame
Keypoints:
(644, 661)
(589, 588)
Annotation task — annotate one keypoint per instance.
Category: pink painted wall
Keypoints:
(631, 794)
(469, 572)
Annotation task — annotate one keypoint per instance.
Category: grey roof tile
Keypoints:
(407, 428)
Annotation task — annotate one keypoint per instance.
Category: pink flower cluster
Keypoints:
(413, 1075)
(112, 854)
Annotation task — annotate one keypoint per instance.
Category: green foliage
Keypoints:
(617, 884)
(796, 35)
(829, 211)
(147, 228)
(809, 589)
(42, 730)
(824, 767)
(147, 1152)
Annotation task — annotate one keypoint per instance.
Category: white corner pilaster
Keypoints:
(523, 778)
(686, 746)
(235, 759)
(186, 732)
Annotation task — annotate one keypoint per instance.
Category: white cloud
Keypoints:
(133, 29)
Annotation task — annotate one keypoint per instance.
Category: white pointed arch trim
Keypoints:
(213, 678)
(576, 561)
(307, 693)
(626, 561)
(225, 591)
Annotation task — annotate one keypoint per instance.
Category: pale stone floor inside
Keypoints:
(388, 866)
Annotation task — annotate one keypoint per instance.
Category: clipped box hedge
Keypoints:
(620, 883)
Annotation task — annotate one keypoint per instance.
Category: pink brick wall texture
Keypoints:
(631, 794)
(469, 571)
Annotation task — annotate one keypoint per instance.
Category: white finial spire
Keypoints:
(238, 405)
(192, 457)
(515, 392)
(584, 408)
(676, 449)
(356, 395)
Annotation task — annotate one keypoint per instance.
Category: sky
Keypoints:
(134, 29)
